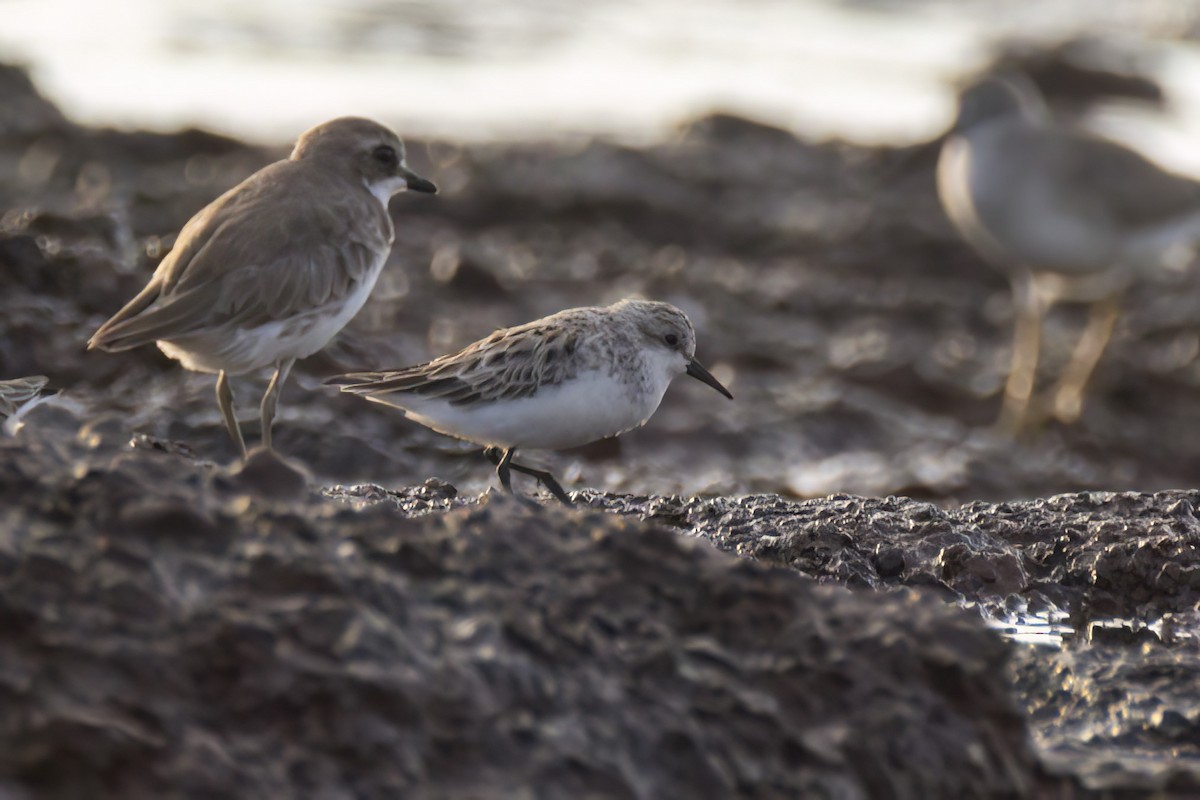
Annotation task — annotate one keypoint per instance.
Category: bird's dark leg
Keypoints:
(547, 480)
(271, 398)
(504, 465)
(225, 402)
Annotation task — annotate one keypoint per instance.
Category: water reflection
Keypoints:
(1044, 628)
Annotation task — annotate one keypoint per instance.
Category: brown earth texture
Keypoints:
(844, 584)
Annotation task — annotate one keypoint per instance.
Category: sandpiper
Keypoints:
(271, 270)
(1067, 215)
(562, 381)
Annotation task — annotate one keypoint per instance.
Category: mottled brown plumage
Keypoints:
(271, 270)
(510, 364)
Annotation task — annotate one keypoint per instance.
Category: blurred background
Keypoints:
(766, 165)
(868, 71)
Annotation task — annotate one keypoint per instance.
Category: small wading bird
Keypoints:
(562, 381)
(271, 270)
(1068, 216)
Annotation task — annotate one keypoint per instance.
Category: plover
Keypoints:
(562, 381)
(271, 270)
(1067, 215)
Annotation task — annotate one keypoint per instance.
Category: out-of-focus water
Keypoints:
(871, 72)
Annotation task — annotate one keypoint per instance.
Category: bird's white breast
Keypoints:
(959, 176)
(591, 406)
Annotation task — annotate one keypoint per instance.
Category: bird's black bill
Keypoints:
(416, 183)
(697, 371)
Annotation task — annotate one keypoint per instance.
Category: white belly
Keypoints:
(240, 350)
(589, 407)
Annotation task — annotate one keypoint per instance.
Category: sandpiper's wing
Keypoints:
(1091, 180)
(510, 364)
(1055, 198)
(1127, 188)
(257, 254)
(15, 392)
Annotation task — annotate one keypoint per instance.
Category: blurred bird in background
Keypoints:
(1068, 216)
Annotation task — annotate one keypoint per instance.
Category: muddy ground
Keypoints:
(865, 346)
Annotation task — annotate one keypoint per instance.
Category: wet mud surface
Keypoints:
(284, 629)
(173, 629)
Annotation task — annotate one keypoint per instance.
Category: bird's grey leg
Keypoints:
(225, 403)
(547, 480)
(1068, 395)
(271, 398)
(1029, 309)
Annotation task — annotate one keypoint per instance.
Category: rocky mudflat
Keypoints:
(174, 629)
(843, 611)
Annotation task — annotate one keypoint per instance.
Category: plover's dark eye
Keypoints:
(671, 339)
(385, 155)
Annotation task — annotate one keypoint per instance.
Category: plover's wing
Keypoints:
(143, 321)
(107, 336)
(15, 392)
(510, 364)
(117, 333)
(251, 258)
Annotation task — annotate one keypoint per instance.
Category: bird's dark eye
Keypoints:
(671, 339)
(385, 155)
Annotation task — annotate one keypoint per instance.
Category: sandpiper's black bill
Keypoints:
(697, 371)
(416, 183)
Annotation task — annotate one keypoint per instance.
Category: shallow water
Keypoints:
(870, 72)
(1043, 629)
